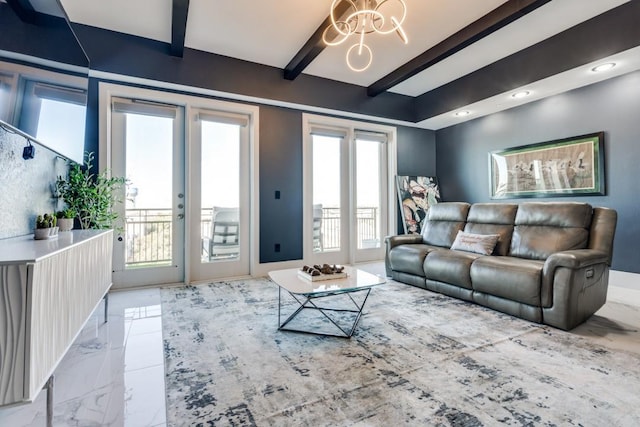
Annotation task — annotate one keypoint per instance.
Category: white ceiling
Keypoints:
(271, 32)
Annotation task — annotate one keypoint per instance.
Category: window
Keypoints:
(55, 115)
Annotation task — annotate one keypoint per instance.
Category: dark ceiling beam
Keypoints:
(609, 33)
(477, 30)
(179, 13)
(313, 47)
(24, 10)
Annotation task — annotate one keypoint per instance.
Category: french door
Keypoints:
(220, 185)
(189, 162)
(147, 147)
(347, 187)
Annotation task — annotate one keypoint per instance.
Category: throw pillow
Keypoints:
(477, 243)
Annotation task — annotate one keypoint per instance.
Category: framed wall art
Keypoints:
(570, 166)
(415, 195)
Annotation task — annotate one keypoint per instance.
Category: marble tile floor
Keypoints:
(113, 374)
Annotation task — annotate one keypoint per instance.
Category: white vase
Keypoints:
(65, 224)
(41, 233)
(45, 233)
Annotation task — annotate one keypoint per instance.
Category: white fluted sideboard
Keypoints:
(48, 290)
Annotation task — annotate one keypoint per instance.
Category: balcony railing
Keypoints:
(149, 233)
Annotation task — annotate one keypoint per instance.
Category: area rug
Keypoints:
(416, 358)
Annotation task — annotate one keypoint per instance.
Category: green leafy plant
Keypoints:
(46, 221)
(66, 213)
(91, 197)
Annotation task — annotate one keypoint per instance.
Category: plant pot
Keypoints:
(45, 233)
(65, 224)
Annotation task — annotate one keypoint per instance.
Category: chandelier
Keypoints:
(364, 17)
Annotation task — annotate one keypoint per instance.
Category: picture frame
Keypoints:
(415, 195)
(570, 166)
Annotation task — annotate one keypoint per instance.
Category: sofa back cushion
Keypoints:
(493, 218)
(545, 228)
(443, 223)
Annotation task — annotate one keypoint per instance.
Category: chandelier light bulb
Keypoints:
(361, 49)
(365, 17)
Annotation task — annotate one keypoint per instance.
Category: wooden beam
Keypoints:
(313, 47)
(179, 13)
(477, 30)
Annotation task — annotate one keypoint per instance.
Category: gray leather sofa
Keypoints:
(550, 264)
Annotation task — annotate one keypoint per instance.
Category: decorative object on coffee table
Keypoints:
(322, 272)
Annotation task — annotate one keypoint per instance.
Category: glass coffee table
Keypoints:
(321, 296)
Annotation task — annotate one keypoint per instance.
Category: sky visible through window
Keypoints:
(149, 155)
(61, 128)
(220, 165)
(326, 172)
(149, 162)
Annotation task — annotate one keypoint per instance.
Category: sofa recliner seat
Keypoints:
(550, 264)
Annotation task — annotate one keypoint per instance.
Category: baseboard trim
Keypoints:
(624, 279)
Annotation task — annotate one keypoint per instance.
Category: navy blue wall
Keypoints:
(611, 106)
(53, 41)
(280, 170)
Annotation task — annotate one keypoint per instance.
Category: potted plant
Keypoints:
(91, 197)
(45, 227)
(65, 219)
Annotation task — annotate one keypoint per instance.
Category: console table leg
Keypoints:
(49, 387)
(106, 306)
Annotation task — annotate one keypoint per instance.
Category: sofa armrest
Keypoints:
(578, 258)
(402, 239)
(574, 260)
(393, 241)
(574, 286)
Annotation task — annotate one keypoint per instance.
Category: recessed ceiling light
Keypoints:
(462, 113)
(521, 94)
(603, 67)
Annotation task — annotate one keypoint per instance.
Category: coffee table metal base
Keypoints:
(312, 302)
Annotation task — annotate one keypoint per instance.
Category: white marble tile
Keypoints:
(91, 385)
(144, 397)
(143, 351)
(145, 326)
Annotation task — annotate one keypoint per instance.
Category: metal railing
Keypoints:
(368, 234)
(149, 233)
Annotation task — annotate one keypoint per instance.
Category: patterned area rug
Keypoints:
(416, 358)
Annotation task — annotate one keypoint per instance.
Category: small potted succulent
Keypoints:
(65, 219)
(46, 227)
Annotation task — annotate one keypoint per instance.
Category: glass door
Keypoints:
(370, 195)
(330, 196)
(348, 207)
(219, 170)
(147, 148)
